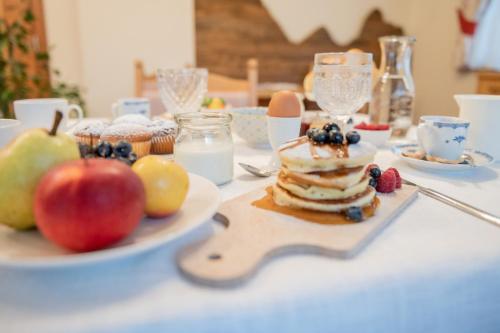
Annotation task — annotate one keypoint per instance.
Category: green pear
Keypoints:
(23, 163)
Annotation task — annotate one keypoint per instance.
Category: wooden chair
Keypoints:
(488, 82)
(218, 85)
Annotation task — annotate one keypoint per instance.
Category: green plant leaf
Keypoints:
(42, 56)
(29, 16)
(15, 80)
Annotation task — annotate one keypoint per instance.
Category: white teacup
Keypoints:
(443, 137)
(136, 105)
(9, 129)
(39, 112)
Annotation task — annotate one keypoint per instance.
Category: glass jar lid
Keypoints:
(203, 120)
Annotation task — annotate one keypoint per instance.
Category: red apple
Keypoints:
(89, 204)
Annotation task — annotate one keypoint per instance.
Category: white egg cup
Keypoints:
(280, 130)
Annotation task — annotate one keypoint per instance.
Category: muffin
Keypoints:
(164, 132)
(132, 119)
(137, 135)
(89, 132)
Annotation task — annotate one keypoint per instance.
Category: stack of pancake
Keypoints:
(325, 178)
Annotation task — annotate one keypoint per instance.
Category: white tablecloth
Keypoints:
(434, 269)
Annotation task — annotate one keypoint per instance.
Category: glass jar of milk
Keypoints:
(204, 145)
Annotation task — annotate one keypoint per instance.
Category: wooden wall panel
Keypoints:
(12, 11)
(228, 32)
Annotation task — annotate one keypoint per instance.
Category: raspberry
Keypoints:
(372, 127)
(398, 177)
(387, 182)
(361, 125)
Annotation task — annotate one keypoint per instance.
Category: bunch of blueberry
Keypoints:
(374, 173)
(121, 151)
(330, 133)
(356, 213)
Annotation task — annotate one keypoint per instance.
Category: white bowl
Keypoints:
(9, 129)
(378, 138)
(250, 124)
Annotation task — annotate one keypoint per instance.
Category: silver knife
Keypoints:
(479, 213)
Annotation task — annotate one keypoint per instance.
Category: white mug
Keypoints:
(136, 105)
(483, 112)
(9, 129)
(443, 137)
(39, 112)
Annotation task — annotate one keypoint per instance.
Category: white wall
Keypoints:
(343, 19)
(96, 41)
(62, 27)
(111, 34)
(434, 23)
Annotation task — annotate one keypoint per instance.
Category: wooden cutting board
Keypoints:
(253, 236)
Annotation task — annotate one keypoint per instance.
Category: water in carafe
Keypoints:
(394, 93)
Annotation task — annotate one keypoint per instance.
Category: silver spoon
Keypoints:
(259, 172)
(469, 159)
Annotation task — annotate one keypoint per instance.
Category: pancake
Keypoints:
(283, 197)
(304, 156)
(321, 193)
(338, 179)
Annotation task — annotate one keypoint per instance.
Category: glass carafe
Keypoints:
(393, 98)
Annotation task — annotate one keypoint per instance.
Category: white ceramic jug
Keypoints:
(483, 112)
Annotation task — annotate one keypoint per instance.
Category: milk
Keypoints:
(212, 161)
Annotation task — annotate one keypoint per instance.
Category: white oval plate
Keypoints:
(480, 159)
(31, 249)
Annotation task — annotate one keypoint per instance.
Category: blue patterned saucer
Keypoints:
(479, 159)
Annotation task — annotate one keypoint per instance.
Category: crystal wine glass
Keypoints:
(182, 90)
(342, 83)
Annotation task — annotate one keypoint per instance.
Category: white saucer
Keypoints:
(480, 159)
(31, 249)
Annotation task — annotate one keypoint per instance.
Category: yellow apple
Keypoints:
(216, 104)
(166, 184)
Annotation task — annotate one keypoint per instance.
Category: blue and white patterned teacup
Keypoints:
(442, 137)
(133, 105)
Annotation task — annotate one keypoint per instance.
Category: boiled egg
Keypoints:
(284, 104)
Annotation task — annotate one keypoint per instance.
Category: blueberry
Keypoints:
(310, 132)
(104, 149)
(354, 214)
(320, 137)
(375, 172)
(132, 157)
(331, 126)
(124, 160)
(352, 137)
(336, 137)
(122, 149)
(372, 182)
(84, 149)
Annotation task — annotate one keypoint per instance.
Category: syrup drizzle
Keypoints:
(337, 151)
(312, 216)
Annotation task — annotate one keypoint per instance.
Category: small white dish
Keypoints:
(480, 159)
(31, 249)
(250, 124)
(377, 138)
